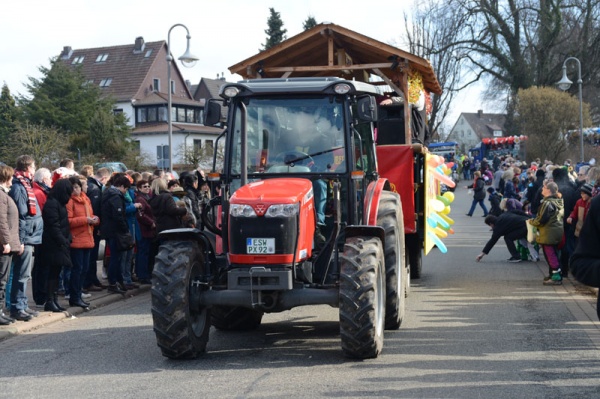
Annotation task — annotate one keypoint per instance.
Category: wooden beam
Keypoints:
(326, 67)
(389, 82)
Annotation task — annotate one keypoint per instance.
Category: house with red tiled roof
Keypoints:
(135, 77)
(470, 128)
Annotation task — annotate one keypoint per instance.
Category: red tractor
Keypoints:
(301, 218)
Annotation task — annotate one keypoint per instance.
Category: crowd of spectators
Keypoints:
(552, 199)
(52, 224)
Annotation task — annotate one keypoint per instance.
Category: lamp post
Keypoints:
(188, 60)
(564, 85)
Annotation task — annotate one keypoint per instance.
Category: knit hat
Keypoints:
(540, 173)
(586, 188)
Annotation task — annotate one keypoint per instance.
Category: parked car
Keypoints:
(112, 166)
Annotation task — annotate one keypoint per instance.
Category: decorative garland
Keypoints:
(415, 86)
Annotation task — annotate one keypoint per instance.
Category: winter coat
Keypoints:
(94, 193)
(585, 261)
(508, 222)
(549, 221)
(40, 190)
(145, 217)
(57, 237)
(31, 227)
(79, 208)
(112, 216)
(509, 190)
(9, 222)
(495, 199)
(167, 213)
(579, 213)
(478, 189)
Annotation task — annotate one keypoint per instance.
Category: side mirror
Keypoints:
(367, 109)
(212, 114)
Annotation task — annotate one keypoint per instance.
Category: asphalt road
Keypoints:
(472, 330)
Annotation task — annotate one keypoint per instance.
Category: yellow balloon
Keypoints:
(447, 219)
(449, 195)
(445, 211)
(447, 171)
(440, 232)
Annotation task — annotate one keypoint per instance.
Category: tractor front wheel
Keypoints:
(181, 327)
(362, 297)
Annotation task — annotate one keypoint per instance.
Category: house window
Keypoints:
(162, 156)
(156, 85)
(152, 114)
(102, 57)
(197, 145)
(497, 133)
(209, 147)
(88, 82)
(189, 115)
(118, 111)
(105, 82)
(141, 115)
(136, 147)
(162, 114)
(180, 114)
(148, 53)
(78, 60)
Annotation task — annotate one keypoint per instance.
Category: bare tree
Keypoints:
(46, 145)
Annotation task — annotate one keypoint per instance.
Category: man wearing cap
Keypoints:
(581, 208)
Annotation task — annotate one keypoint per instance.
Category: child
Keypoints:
(581, 208)
(494, 198)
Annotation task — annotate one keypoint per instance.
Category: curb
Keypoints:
(101, 299)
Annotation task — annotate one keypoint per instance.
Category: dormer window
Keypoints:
(78, 60)
(148, 53)
(102, 57)
(105, 82)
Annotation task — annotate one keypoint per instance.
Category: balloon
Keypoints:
(450, 165)
(446, 210)
(437, 205)
(449, 195)
(450, 230)
(447, 171)
(440, 232)
(443, 178)
(433, 161)
(439, 220)
(432, 223)
(437, 242)
(447, 219)
(443, 199)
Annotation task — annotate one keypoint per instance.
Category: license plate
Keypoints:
(260, 245)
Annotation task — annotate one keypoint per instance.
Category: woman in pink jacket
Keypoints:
(82, 221)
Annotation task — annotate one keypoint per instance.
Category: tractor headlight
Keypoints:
(240, 210)
(282, 210)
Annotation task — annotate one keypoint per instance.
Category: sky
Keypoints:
(223, 32)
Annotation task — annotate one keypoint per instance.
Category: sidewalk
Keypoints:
(98, 300)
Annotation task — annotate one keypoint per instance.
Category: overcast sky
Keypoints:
(223, 32)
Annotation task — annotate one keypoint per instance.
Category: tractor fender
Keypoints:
(372, 197)
(205, 238)
(365, 231)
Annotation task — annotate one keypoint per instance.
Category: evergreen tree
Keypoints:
(310, 22)
(275, 32)
(63, 99)
(8, 114)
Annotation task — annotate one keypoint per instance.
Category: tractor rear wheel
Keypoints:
(389, 216)
(362, 297)
(235, 318)
(181, 327)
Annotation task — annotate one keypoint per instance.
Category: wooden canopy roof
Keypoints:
(332, 50)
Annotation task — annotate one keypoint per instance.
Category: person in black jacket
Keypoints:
(166, 212)
(570, 195)
(113, 222)
(478, 194)
(495, 198)
(56, 242)
(94, 193)
(510, 225)
(585, 261)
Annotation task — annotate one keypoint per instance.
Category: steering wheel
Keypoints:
(294, 157)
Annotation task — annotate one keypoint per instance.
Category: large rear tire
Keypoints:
(236, 318)
(181, 327)
(389, 216)
(362, 297)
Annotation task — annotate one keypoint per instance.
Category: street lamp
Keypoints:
(564, 85)
(188, 60)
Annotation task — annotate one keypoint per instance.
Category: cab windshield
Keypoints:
(291, 135)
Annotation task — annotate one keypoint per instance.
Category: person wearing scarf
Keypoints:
(42, 182)
(31, 228)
